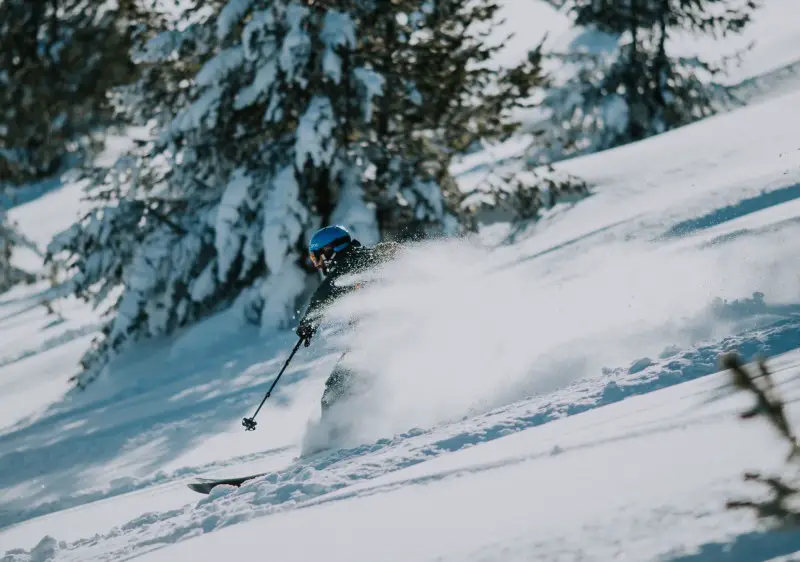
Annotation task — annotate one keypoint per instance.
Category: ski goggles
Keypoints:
(321, 257)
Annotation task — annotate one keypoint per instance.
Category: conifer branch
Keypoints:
(770, 405)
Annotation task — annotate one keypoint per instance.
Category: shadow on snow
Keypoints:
(744, 207)
(756, 546)
(161, 399)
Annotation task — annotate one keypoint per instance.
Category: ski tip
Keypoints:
(199, 487)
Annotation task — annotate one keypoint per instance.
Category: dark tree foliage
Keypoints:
(58, 61)
(10, 239)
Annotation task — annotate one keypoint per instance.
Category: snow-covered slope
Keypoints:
(526, 402)
(646, 479)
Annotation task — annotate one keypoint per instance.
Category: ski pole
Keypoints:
(250, 423)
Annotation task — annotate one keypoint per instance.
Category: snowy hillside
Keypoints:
(550, 399)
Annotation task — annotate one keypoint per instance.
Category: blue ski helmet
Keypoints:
(326, 242)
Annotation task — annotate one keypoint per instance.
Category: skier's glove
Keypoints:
(305, 332)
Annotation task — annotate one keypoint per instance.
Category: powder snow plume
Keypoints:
(451, 328)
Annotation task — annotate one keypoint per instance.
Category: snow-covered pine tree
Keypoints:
(54, 78)
(446, 95)
(7, 242)
(272, 119)
(443, 95)
(10, 238)
(639, 89)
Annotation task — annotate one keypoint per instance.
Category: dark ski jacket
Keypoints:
(353, 259)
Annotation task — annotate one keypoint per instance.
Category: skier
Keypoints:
(334, 252)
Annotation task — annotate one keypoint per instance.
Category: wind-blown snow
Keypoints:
(550, 324)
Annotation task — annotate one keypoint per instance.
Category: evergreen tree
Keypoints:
(442, 96)
(275, 118)
(58, 59)
(10, 239)
(8, 275)
(640, 89)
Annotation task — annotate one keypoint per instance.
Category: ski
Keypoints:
(205, 485)
(316, 445)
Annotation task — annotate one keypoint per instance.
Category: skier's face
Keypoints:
(322, 258)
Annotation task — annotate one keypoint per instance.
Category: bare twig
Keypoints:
(771, 405)
(768, 402)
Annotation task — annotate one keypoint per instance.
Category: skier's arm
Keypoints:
(308, 323)
(313, 315)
